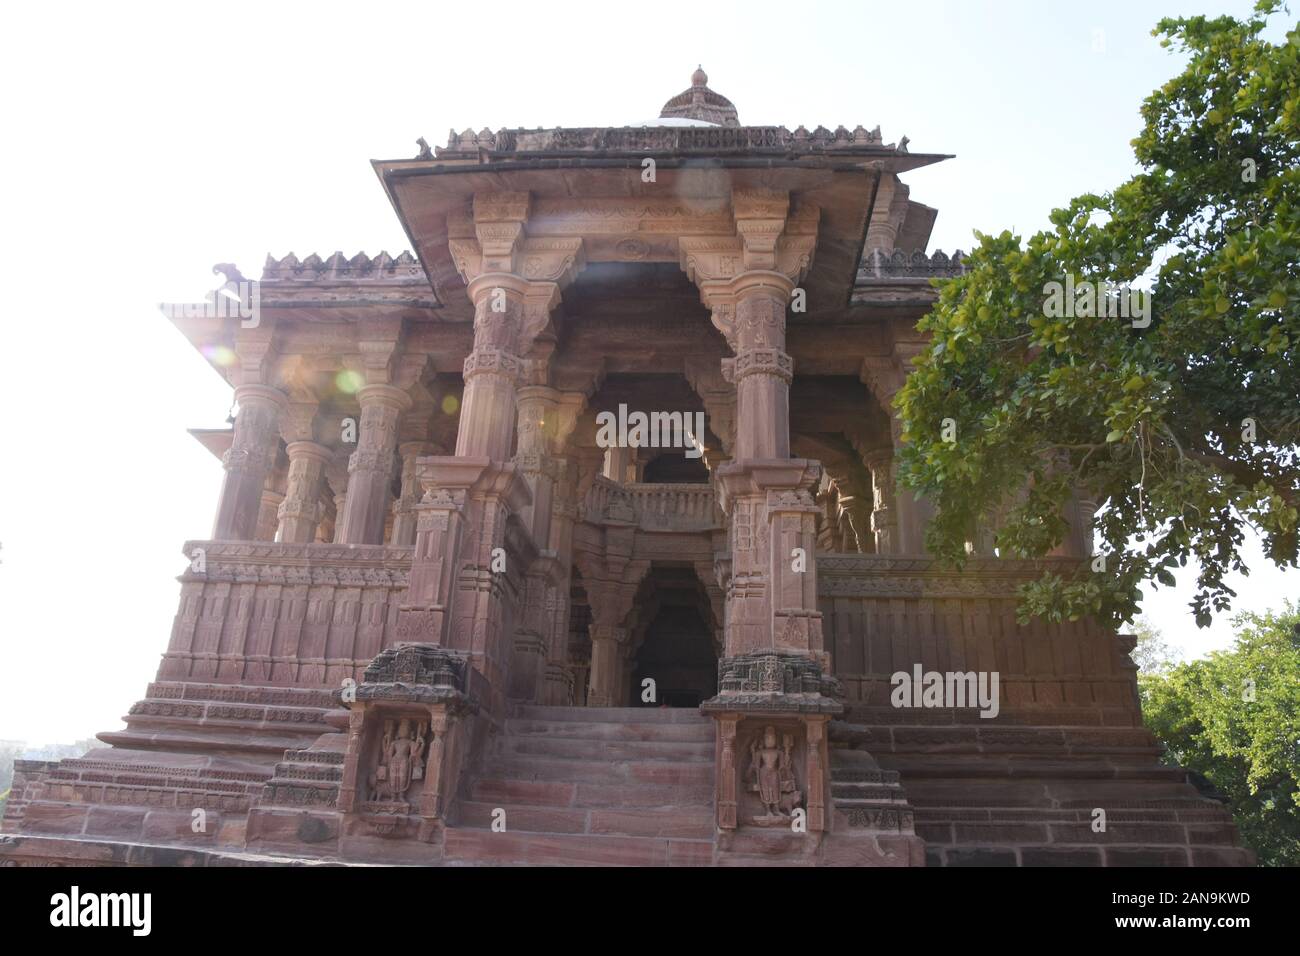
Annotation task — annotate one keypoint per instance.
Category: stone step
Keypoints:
(619, 715)
(1011, 815)
(687, 822)
(691, 732)
(477, 846)
(990, 768)
(638, 772)
(603, 751)
(506, 791)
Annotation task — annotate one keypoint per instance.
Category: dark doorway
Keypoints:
(674, 644)
(673, 467)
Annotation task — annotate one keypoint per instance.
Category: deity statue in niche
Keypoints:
(401, 759)
(771, 776)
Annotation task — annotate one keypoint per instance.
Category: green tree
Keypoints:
(1182, 423)
(1235, 718)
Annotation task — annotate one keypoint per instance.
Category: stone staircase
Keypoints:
(1025, 796)
(590, 786)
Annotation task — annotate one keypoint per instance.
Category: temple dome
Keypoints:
(701, 103)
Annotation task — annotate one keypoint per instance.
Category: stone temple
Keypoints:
(574, 537)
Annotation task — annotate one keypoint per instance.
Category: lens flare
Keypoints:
(348, 381)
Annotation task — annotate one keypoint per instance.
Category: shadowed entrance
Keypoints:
(674, 645)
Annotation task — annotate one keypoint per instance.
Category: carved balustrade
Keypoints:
(654, 507)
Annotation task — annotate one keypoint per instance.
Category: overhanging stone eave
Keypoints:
(424, 194)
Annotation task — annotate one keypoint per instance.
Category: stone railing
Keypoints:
(295, 614)
(677, 507)
(654, 507)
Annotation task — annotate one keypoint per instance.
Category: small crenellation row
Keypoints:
(668, 138)
(339, 267)
(881, 264)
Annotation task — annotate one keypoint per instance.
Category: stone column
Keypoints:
(606, 665)
(884, 376)
(489, 409)
(249, 461)
(774, 663)
(267, 520)
(558, 685)
(404, 515)
(618, 461)
(884, 516)
(299, 515)
(762, 370)
(371, 465)
(336, 477)
(1080, 515)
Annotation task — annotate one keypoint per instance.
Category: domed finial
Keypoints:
(701, 104)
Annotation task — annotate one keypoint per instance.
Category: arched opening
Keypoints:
(674, 642)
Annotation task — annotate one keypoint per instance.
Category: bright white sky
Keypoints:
(144, 143)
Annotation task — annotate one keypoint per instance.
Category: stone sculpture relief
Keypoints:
(400, 761)
(771, 776)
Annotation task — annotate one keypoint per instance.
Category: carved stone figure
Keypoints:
(771, 776)
(401, 760)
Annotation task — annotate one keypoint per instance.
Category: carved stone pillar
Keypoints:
(762, 370)
(606, 688)
(546, 419)
(371, 465)
(299, 515)
(727, 770)
(772, 684)
(1080, 515)
(404, 514)
(336, 478)
(467, 577)
(618, 462)
(884, 518)
(558, 681)
(884, 375)
(267, 522)
(249, 461)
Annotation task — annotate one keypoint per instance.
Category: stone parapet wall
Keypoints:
(884, 615)
(308, 615)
